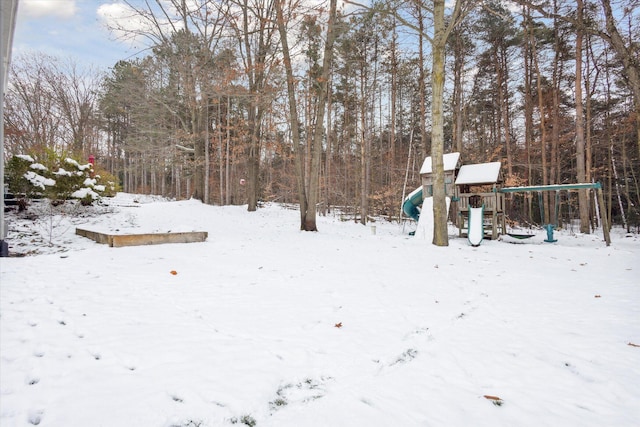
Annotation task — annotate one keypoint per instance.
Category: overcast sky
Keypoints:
(70, 28)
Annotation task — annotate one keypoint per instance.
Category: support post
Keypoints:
(8, 11)
(603, 217)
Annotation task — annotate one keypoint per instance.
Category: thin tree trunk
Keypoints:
(421, 87)
(220, 156)
(329, 154)
(458, 65)
(588, 129)
(583, 198)
(528, 104)
(543, 135)
(394, 100)
(364, 154)
(617, 185)
(228, 154)
(503, 101)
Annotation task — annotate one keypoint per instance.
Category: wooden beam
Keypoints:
(604, 223)
(596, 186)
(554, 187)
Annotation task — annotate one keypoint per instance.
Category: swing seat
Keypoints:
(520, 236)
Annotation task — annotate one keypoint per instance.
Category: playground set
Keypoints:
(478, 197)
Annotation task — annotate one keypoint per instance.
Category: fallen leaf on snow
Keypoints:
(489, 397)
(173, 272)
(494, 399)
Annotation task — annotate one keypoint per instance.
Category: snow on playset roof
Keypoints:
(481, 173)
(450, 162)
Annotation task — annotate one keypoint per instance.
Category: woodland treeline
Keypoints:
(549, 88)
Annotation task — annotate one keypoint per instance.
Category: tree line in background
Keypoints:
(242, 101)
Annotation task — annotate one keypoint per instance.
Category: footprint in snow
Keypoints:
(130, 366)
(302, 392)
(35, 417)
(405, 357)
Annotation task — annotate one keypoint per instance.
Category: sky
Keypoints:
(78, 29)
(70, 29)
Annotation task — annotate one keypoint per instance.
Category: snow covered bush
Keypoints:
(109, 182)
(57, 178)
(23, 176)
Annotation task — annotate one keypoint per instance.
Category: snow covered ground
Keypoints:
(264, 325)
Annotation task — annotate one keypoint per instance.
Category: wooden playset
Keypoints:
(478, 188)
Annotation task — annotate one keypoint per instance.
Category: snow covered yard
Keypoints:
(264, 325)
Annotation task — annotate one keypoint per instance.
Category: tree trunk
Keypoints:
(440, 234)
(458, 69)
(528, 104)
(307, 199)
(583, 197)
(364, 146)
(588, 129)
(329, 153)
(199, 152)
(554, 172)
(422, 89)
(298, 155)
(503, 103)
(394, 101)
(318, 131)
(543, 135)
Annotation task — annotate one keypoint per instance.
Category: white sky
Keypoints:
(41, 8)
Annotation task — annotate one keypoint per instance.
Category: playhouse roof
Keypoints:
(450, 163)
(482, 173)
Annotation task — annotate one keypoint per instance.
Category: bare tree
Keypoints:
(185, 35)
(51, 104)
(76, 93)
(628, 52)
(252, 24)
(308, 195)
(30, 120)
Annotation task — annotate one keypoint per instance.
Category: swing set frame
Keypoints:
(559, 187)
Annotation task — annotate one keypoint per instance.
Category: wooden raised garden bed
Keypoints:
(118, 240)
